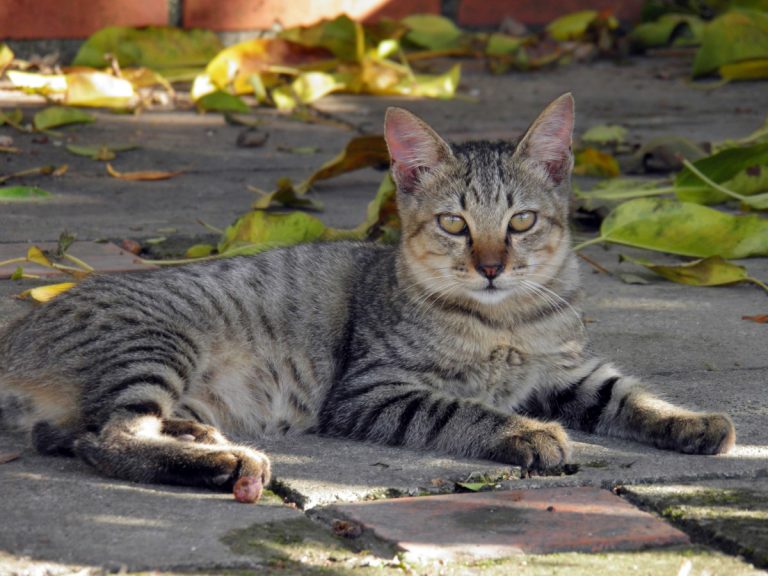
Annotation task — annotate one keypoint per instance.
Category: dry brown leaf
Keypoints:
(6, 457)
(760, 318)
(142, 175)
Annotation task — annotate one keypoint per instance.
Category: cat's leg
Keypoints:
(135, 447)
(192, 431)
(416, 416)
(598, 398)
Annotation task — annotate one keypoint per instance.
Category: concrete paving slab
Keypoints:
(56, 510)
(501, 524)
(730, 514)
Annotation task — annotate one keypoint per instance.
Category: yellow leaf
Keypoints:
(745, 70)
(6, 56)
(34, 254)
(142, 175)
(99, 89)
(311, 86)
(592, 162)
(38, 83)
(46, 293)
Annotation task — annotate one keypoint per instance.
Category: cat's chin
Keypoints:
(490, 296)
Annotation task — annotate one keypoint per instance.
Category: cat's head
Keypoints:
(483, 221)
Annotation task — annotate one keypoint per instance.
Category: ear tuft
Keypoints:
(413, 147)
(548, 141)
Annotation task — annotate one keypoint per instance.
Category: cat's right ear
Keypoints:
(413, 147)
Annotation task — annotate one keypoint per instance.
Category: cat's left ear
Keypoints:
(547, 143)
(413, 147)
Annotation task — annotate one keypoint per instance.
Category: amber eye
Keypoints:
(452, 223)
(522, 221)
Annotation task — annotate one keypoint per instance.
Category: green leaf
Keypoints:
(12, 118)
(432, 32)
(18, 274)
(745, 70)
(382, 221)
(503, 44)
(159, 48)
(712, 271)
(575, 26)
(6, 56)
(682, 29)
(610, 192)
(257, 231)
(23, 194)
(60, 116)
(199, 251)
(603, 134)
(220, 101)
(105, 152)
(337, 36)
(311, 86)
(721, 167)
(686, 229)
(733, 37)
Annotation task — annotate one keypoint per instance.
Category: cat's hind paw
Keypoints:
(534, 446)
(698, 434)
(226, 466)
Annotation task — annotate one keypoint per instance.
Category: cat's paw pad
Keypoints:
(700, 434)
(539, 446)
(192, 431)
(229, 465)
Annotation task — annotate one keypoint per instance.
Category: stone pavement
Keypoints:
(691, 344)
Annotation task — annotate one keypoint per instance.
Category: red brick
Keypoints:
(252, 14)
(492, 12)
(34, 19)
(102, 257)
(499, 524)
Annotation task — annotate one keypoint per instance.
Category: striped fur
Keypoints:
(145, 376)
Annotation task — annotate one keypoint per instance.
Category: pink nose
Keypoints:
(490, 271)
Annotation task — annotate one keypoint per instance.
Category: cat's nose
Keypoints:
(490, 271)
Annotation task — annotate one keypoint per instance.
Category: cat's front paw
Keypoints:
(532, 445)
(697, 434)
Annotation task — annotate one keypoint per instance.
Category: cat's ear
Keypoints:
(547, 143)
(413, 147)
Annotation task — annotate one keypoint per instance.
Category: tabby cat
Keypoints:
(465, 339)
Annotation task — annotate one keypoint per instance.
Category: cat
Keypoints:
(464, 339)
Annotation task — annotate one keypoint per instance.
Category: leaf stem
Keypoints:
(701, 176)
(588, 243)
(13, 261)
(762, 285)
(76, 260)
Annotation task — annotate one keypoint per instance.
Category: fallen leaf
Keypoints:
(60, 170)
(603, 134)
(166, 49)
(576, 25)
(727, 167)
(338, 36)
(285, 195)
(677, 29)
(44, 170)
(360, 152)
(99, 89)
(760, 319)
(23, 194)
(142, 175)
(7, 457)
(199, 251)
(732, 37)
(684, 228)
(665, 154)
(257, 231)
(756, 69)
(60, 116)
(220, 101)
(473, 486)
(131, 246)
(46, 293)
(104, 152)
(711, 271)
(38, 83)
(593, 162)
(432, 32)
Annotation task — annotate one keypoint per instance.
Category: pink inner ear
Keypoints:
(549, 139)
(412, 146)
